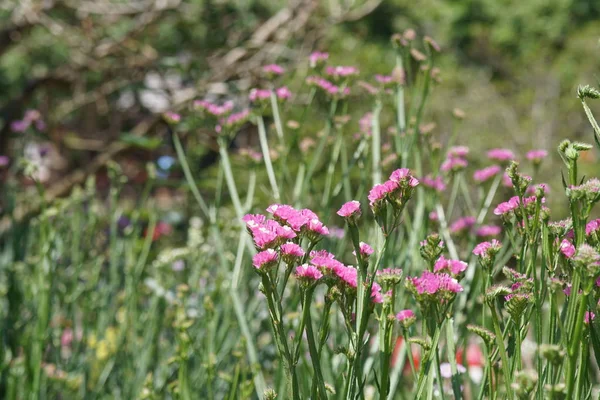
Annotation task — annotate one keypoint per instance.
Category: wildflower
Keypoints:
(350, 211)
(536, 156)
(253, 220)
(485, 174)
(567, 248)
(329, 88)
(454, 267)
(433, 287)
(417, 55)
(348, 275)
(372, 90)
(306, 273)
(458, 151)
(377, 196)
(592, 226)
(4, 161)
(488, 230)
(432, 44)
(487, 249)
(283, 93)
(315, 229)
(453, 164)
(589, 317)
(273, 69)
(507, 206)
(431, 248)
(376, 295)
(389, 277)
(406, 318)
(384, 79)
(506, 181)
(433, 216)
(171, 117)
(341, 71)
(501, 154)
(365, 250)
(588, 259)
(516, 303)
(291, 252)
(462, 224)
(259, 94)
(265, 259)
(213, 109)
(317, 58)
(235, 120)
(365, 123)
(436, 183)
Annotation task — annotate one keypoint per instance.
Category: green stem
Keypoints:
(264, 146)
(188, 174)
(502, 349)
(319, 390)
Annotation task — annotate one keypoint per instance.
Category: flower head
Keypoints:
(488, 230)
(462, 224)
(291, 252)
(273, 69)
(265, 259)
(567, 248)
(350, 210)
(308, 273)
(317, 58)
(485, 174)
(454, 267)
(536, 156)
(501, 155)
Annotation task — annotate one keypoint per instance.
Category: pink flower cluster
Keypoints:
(282, 93)
(536, 155)
(592, 227)
(31, 117)
(212, 108)
(567, 248)
(433, 286)
(485, 174)
(317, 58)
(273, 69)
(513, 203)
(484, 249)
(436, 183)
(327, 86)
(462, 224)
(488, 230)
(453, 267)
(365, 123)
(341, 71)
(234, 120)
(350, 209)
(291, 252)
(308, 273)
(265, 259)
(501, 155)
(383, 79)
(267, 233)
(455, 159)
(365, 250)
(397, 189)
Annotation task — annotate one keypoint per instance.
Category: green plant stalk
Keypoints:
(452, 358)
(502, 350)
(574, 345)
(376, 145)
(264, 146)
(592, 120)
(425, 370)
(231, 186)
(385, 328)
(331, 169)
(318, 391)
(183, 381)
(188, 175)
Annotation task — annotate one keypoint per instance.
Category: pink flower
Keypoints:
(265, 259)
(453, 164)
(376, 296)
(377, 194)
(213, 109)
(567, 248)
(259, 94)
(171, 117)
(383, 79)
(365, 123)
(399, 174)
(348, 275)
(350, 209)
(236, 119)
(341, 71)
(317, 58)
(273, 69)
(253, 220)
(501, 154)
(589, 316)
(365, 250)
(325, 261)
(488, 230)
(536, 155)
(454, 267)
(308, 273)
(458, 151)
(483, 175)
(405, 314)
(291, 251)
(327, 86)
(462, 224)
(506, 181)
(433, 216)
(436, 183)
(315, 226)
(507, 206)
(483, 248)
(4, 161)
(283, 93)
(430, 284)
(592, 226)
